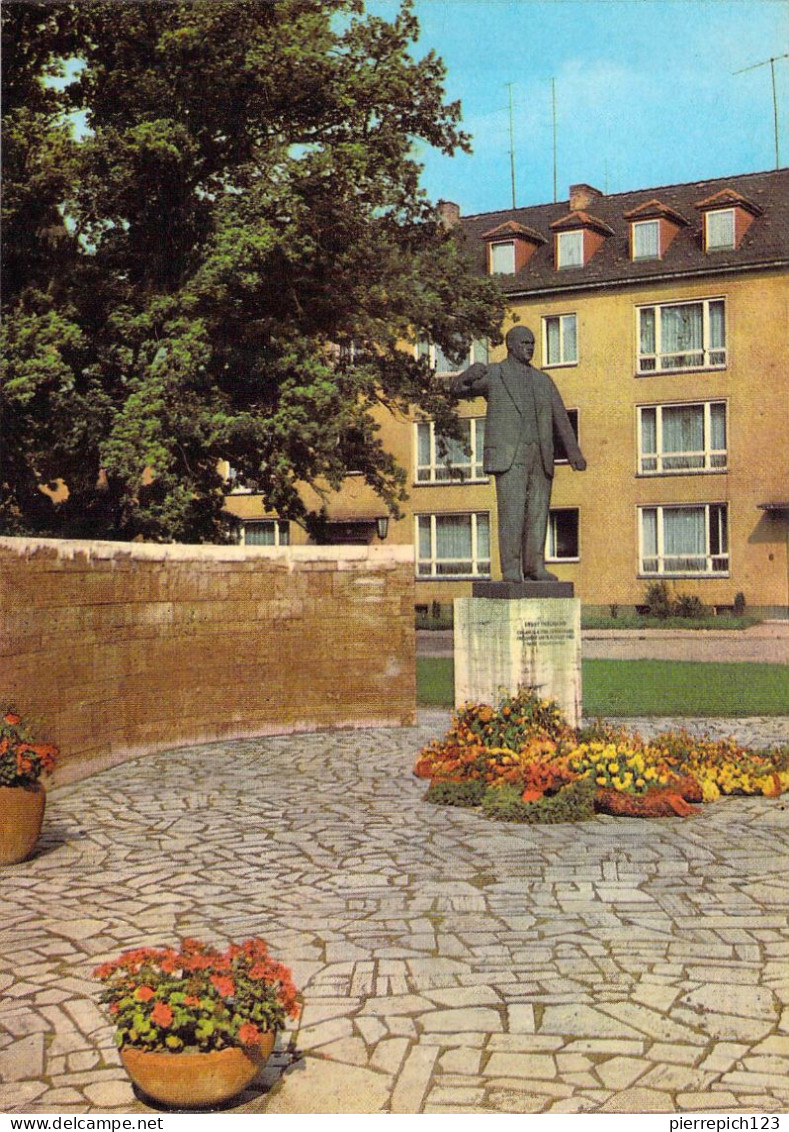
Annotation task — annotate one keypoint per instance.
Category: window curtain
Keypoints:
(683, 432)
(649, 435)
(453, 537)
(680, 330)
(423, 430)
(684, 538)
(502, 258)
(647, 335)
(646, 240)
(649, 540)
(423, 523)
(571, 245)
(718, 435)
(554, 341)
(717, 325)
(483, 541)
(570, 328)
(720, 229)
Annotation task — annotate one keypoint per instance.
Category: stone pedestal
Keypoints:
(501, 643)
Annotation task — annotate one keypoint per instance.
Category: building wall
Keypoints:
(603, 386)
(121, 649)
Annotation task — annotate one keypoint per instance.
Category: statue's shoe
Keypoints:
(542, 576)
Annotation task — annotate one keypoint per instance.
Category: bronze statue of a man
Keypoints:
(524, 406)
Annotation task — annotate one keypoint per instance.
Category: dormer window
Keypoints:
(727, 216)
(653, 226)
(578, 236)
(502, 258)
(646, 239)
(719, 229)
(570, 249)
(510, 246)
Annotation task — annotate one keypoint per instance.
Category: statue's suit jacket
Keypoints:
(509, 420)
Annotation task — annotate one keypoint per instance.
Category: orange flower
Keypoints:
(162, 1015)
(144, 993)
(225, 985)
(249, 1034)
(12, 718)
(191, 1000)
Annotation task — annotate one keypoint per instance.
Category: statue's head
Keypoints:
(520, 343)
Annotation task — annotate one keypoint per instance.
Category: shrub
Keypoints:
(739, 603)
(688, 605)
(658, 600)
(574, 802)
(466, 794)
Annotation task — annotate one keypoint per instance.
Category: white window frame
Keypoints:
(718, 354)
(708, 454)
(510, 268)
(280, 526)
(478, 352)
(713, 514)
(719, 212)
(566, 240)
(550, 535)
(641, 225)
(564, 358)
(469, 471)
(433, 561)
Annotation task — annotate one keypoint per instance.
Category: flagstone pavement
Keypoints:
(448, 964)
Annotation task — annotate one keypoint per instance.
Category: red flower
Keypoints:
(144, 994)
(162, 1015)
(249, 1034)
(225, 986)
(191, 1000)
(12, 718)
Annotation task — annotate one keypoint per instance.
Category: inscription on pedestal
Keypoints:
(500, 645)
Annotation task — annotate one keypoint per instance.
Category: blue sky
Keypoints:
(645, 92)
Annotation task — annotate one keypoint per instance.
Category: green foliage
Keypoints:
(658, 600)
(739, 603)
(466, 794)
(574, 802)
(188, 276)
(688, 606)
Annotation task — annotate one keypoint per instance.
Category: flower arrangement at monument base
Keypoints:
(521, 761)
(194, 1024)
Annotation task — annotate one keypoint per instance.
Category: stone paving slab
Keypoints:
(449, 964)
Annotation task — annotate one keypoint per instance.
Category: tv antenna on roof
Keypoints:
(772, 63)
(512, 147)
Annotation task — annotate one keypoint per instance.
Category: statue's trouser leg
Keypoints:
(511, 490)
(538, 501)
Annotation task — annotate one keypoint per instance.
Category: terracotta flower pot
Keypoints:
(21, 815)
(196, 1080)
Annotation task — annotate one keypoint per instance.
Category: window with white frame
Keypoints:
(502, 258)
(646, 239)
(689, 540)
(688, 335)
(266, 532)
(445, 363)
(682, 438)
(719, 229)
(446, 460)
(570, 248)
(560, 340)
(453, 545)
(561, 541)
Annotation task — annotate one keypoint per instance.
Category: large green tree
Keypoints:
(224, 264)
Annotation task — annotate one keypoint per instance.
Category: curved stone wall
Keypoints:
(119, 649)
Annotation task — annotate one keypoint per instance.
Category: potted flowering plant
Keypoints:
(222, 1010)
(22, 794)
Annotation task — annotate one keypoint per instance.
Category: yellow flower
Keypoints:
(600, 780)
(613, 768)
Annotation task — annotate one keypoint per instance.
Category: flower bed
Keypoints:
(521, 761)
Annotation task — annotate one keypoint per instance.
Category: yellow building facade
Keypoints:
(663, 318)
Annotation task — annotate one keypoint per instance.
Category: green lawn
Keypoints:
(650, 687)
